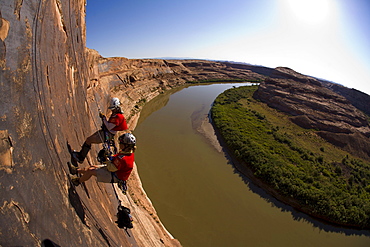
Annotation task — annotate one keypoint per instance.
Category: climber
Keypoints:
(118, 167)
(116, 122)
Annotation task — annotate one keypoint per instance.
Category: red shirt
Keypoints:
(119, 120)
(124, 164)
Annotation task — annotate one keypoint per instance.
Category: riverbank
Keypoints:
(210, 133)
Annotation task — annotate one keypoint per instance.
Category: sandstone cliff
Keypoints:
(50, 94)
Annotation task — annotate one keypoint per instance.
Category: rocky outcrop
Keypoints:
(357, 98)
(42, 80)
(313, 106)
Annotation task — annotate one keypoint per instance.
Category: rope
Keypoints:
(115, 192)
(140, 222)
(133, 212)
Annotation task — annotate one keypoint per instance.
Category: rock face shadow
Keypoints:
(48, 243)
(76, 203)
(104, 236)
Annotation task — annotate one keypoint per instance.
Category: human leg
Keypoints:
(97, 137)
(86, 173)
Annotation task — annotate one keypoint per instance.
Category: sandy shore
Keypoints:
(205, 128)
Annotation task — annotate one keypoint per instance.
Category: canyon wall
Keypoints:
(50, 95)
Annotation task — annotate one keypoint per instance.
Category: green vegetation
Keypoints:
(294, 161)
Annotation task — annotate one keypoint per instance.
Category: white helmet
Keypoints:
(114, 103)
(127, 138)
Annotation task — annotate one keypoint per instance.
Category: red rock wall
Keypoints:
(44, 102)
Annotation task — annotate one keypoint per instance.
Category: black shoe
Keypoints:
(76, 156)
(72, 168)
(76, 181)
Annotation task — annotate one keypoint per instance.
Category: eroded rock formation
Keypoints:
(313, 106)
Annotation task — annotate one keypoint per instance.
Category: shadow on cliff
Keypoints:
(49, 243)
(76, 203)
(78, 206)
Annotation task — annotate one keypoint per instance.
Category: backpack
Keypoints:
(124, 218)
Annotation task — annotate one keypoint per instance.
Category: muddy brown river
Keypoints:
(199, 196)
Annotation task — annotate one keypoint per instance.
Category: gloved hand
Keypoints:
(103, 156)
(107, 159)
(101, 115)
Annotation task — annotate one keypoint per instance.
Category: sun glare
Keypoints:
(310, 11)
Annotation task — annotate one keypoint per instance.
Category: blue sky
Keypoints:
(329, 39)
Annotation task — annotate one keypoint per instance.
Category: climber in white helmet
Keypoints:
(116, 122)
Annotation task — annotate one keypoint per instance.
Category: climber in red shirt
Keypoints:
(116, 122)
(118, 167)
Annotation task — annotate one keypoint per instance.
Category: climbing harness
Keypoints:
(121, 184)
(108, 141)
(109, 149)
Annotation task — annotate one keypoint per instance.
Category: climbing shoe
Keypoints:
(72, 169)
(76, 181)
(77, 157)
